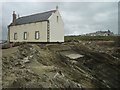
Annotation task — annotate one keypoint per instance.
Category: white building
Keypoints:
(41, 27)
(101, 33)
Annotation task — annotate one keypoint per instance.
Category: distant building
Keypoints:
(41, 27)
(101, 33)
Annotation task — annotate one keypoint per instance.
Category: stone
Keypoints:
(75, 56)
(23, 66)
(17, 63)
(26, 60)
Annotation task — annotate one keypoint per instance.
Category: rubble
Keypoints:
(76, 64)
(74, 56)
(26, 60)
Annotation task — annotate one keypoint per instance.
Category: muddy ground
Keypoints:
(75, 64)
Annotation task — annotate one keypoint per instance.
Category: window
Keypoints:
(57, 18)
(37, 35)
(25, 35)
(15, 36)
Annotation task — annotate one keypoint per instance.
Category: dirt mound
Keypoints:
(68, 65)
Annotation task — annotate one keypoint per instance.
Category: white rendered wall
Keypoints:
(30, 29)
(56, 28)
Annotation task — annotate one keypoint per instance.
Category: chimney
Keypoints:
(56, 7)
(14, 18)
(18, 15)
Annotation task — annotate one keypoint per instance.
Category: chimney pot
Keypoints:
(56, 7)
(18, 15)
(13, 12)
(14, 18)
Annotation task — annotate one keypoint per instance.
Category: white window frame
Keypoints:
(15, 36)
(25, 36)
(37, 35)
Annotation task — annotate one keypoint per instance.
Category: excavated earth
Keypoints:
(76, 64)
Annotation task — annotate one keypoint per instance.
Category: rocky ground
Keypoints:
(75, 64)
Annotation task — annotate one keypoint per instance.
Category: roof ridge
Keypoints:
(37, 13)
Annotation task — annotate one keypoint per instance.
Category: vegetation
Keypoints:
(18, 43)
(115, 39)
(6, 46)
(91, 38)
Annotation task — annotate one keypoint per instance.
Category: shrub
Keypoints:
(15, 44)
(6, 46)
(117, 41)
(18, 43)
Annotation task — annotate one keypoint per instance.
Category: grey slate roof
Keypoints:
(34, 18)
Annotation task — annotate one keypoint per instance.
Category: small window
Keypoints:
(37, 35)
(25, 35)
(15, 36)
(57, 18)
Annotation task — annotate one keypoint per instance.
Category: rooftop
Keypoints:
(39, 17)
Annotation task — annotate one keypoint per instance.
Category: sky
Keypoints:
(79, 17)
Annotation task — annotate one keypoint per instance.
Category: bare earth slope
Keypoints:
(67, 65)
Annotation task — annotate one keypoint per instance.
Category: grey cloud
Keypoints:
(92, 16)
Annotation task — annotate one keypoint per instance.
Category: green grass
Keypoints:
(91, 38)
(116, 39)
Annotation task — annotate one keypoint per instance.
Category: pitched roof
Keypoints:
(34, 18)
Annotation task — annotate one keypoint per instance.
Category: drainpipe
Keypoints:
(48, 31)
(8, 36)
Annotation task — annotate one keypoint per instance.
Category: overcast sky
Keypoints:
(78, 17)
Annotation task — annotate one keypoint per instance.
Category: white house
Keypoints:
(41, 27)
(101, 33)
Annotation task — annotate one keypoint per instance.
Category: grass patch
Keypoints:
(91, 38)
(115, 39)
